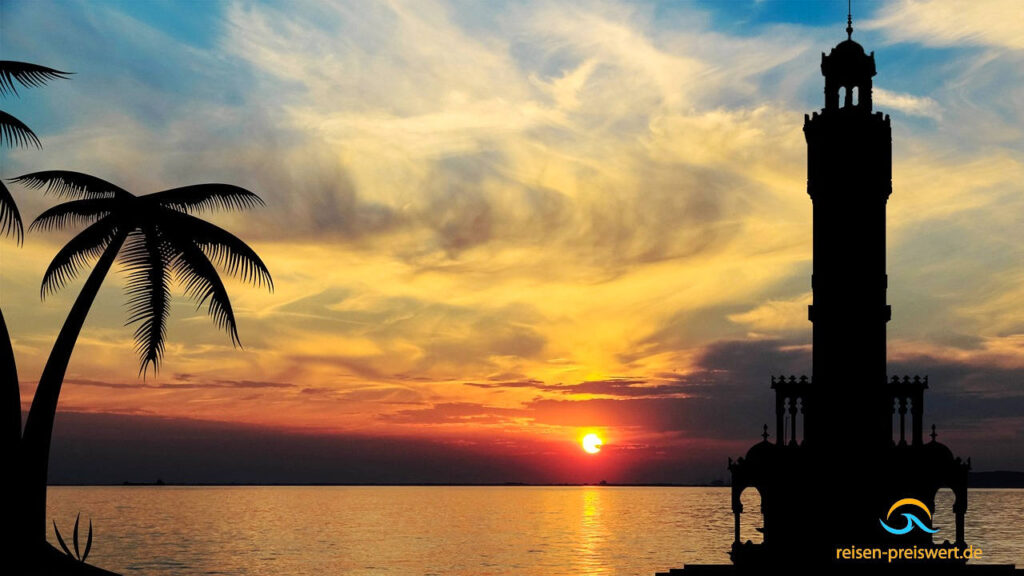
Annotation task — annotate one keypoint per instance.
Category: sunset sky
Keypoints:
(496, 226)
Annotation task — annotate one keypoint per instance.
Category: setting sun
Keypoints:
(592, 443)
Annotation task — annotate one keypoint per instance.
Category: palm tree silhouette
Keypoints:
(157, 236)
(14, 133)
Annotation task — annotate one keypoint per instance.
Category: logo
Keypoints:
(911, 519)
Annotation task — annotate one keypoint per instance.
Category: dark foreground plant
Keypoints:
(74, 537)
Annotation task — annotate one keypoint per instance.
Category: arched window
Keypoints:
(943, 516)
(753, 517)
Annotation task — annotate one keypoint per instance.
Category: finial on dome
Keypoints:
(764, 435)
(849, 19)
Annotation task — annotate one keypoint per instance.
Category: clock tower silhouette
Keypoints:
(848, 464)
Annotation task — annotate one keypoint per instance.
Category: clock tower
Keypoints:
(848, 464)
(849, 180)
(848, 441)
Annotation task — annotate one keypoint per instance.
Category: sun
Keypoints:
(592, 443)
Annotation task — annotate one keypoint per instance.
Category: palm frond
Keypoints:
(145, 258)
(77, 253)
(72, 185)
(88, 543)
(10, 218)
(73, 213)
(60, 539)
(74, 535)
(15, 133)
(28, 75)
(225, 249)
(197, 275)
(200, 197)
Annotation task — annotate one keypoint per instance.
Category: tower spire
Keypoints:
(849, 19)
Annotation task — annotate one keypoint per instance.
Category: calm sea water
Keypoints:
(472, 531)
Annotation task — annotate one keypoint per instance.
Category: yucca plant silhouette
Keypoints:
(80, 556)
(157, 236)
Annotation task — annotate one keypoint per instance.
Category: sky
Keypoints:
(496, 226)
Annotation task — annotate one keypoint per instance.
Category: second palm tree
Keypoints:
(158, 237)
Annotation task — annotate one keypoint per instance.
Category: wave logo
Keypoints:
(912, 520)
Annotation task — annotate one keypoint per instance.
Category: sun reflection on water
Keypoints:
(593, 533)
(452, 530)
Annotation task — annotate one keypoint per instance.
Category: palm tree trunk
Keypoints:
(11, 435)
(39, 424)
(10, 429)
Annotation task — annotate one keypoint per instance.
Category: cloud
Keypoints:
(381, 336)
(384, 394)
(726, 390)
(452, 413)
(580, 208)
(488, 153)
(777, 315)
(619, 387)
(113, 448)
(953, 22)
(188, 384)
(907, 103)
(461, 163)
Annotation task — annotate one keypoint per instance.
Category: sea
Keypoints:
(443, 530)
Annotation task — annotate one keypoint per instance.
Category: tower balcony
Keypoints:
(791, 400)
(907, 395)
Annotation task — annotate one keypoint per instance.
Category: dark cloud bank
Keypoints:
(695, 422)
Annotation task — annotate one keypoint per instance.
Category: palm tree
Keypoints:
(14, 133)
(12, 130)
(157, 235)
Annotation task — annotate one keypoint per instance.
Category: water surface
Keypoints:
(462, 530)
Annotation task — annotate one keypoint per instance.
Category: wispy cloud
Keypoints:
(907, 103)
(954, 22)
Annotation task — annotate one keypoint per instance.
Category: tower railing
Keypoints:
(907, 395)
(791, 393)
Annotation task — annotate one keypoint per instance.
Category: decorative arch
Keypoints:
(748, 528)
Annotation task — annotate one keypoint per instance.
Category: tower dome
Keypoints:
(848, 69)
